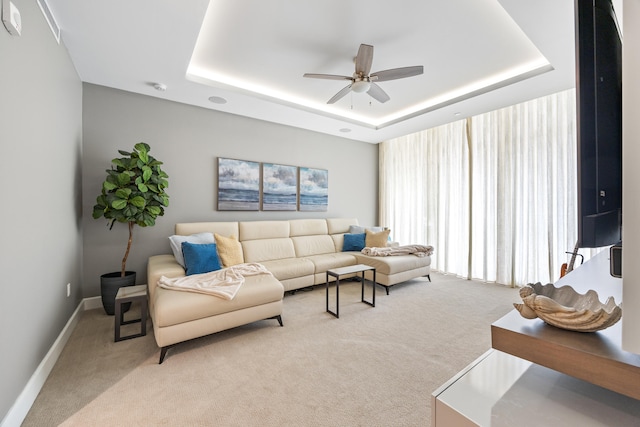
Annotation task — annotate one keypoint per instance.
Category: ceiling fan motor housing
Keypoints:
(361, 84)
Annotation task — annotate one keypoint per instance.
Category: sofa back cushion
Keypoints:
(313, 245)
(340, 225)
(267, 249)
(254, 230)
(223, 228)
(308, 227)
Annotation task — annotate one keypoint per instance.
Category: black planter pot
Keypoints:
(109, 285)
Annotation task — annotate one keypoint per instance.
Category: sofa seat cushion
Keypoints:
(328, 261)
(174, 307)
(289, 268)
(393, 264)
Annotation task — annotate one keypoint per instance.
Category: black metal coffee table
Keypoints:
(337, 272)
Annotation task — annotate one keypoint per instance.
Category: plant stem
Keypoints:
(126, 254)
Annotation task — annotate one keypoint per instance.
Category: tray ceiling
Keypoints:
(249, 56)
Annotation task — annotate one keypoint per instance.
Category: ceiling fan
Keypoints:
(362, 81)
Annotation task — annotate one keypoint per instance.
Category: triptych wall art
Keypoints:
(251, 186)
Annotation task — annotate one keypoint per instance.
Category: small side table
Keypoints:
(337, 272)
(131, 294)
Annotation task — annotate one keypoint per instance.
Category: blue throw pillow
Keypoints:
(353, 242)
(200, 258)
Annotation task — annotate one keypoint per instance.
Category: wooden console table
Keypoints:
(539, 375)
(596, 357)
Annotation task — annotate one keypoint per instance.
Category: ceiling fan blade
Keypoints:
(397, 73)
(377, 93)
(326, 76)
(340, 94)
(364, 59)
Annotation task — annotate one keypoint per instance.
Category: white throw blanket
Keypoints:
(223, 283)
(417, 250)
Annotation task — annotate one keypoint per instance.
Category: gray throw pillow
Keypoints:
(176, 243)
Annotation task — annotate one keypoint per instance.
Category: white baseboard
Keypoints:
(22, 405)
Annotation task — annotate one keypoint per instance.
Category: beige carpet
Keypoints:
(372, 367)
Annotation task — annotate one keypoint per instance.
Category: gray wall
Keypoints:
(41, 251)
(189, 140)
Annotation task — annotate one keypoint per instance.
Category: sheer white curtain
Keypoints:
(519, 166)
(424, 193)
(524, 190)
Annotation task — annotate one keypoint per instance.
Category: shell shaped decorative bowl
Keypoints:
(565, 308)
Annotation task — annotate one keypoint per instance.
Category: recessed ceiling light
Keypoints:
(345, 130)
(457, 114)
(217, 100)
(160, 86)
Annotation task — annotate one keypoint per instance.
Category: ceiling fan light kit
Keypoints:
(363, 80)
(360, 86)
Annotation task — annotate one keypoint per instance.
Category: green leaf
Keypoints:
(118, 162)
(129, 212)
(154, 210)
(148, 220)
(98, 211)
(146, 173)
(119, 204)
(144, 157)
(123, 193)
(138, 201)
(109, 186)
(124, 178)
(143, 188)
(141, 146)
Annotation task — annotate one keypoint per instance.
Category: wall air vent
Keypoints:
(55, 29)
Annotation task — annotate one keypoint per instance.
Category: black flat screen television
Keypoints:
(599, 123)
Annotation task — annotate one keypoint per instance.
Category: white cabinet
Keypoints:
(500, 390)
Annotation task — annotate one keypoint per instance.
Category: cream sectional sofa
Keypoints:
(297, 252)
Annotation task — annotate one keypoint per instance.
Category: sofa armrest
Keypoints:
(162, 265)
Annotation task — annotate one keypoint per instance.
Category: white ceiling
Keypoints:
(478, 55)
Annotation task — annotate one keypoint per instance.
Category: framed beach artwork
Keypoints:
(314, 190)
(238, 185)
(279, 187)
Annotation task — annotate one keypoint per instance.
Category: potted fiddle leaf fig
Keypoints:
(134, 194)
